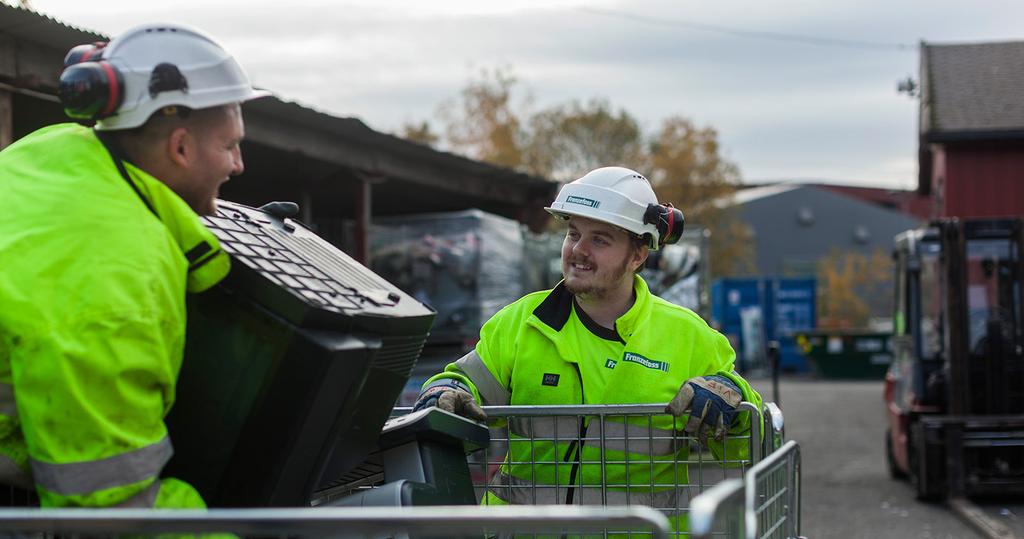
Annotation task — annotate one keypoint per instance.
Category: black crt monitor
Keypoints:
(292, 364)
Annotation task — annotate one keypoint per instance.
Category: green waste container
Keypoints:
(851, 354)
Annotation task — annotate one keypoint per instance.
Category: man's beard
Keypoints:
(593, 290)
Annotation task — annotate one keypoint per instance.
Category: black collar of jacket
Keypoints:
(554, 311)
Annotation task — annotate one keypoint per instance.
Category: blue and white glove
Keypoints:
(452, 396)
(711, 401)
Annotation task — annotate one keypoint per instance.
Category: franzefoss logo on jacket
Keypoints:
(630, 357)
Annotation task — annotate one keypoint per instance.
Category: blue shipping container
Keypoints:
(731, 299)
(751, 312)
(790, 309)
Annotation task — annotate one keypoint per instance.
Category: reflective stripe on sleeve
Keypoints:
(76, 478)
(145, 498)
(8, 406)
(491, 391)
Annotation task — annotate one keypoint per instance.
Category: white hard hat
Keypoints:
(148, 68)
(623, 198)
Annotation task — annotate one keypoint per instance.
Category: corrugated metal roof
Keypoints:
(54, 38)
(751, 194)
(35, 27)
(975, 87)
(355, 130)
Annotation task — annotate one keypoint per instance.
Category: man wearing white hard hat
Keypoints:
(600, 337)
(100, 241)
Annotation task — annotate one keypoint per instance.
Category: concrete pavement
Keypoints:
(846, 489)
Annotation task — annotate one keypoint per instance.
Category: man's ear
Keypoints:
(180, 147)
(640, 257)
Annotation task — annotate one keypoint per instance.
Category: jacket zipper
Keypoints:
(576, 445)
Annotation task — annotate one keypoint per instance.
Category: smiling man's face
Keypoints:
(218, 157)
(597, 258)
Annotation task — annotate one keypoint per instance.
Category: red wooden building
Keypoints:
(971, 126)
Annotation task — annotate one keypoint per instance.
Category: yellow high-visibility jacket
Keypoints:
(93, 276)
(543, 350)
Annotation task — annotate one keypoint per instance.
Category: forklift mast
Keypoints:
(983, 267)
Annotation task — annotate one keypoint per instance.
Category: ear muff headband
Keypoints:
(83, 53)
(89, 54)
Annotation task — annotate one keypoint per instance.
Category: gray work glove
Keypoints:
(452, 396)
(712, 402)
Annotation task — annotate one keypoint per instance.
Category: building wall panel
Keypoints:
(983, 181)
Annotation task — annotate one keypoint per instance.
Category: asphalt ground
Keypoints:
(846, 488)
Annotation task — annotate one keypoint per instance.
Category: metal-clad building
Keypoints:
(971, 148)
(903, 201)
(795, 226)
(341, 172)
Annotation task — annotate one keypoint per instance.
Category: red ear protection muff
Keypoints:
(90, 87)
(667, 219)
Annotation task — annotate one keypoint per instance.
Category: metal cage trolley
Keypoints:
(765, 504)
(610, 455)
(339, 522)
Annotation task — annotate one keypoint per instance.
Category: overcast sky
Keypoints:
(798, 90)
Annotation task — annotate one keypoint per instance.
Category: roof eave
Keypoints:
(973, 135)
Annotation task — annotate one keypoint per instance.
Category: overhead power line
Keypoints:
(752, 34)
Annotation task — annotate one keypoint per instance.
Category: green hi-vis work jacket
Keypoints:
(93, 276)
(534, 352)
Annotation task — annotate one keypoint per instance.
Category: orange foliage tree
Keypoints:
(566, 140)
(853, 287)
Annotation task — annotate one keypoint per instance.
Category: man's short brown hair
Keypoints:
(160, 125)
(636, 243)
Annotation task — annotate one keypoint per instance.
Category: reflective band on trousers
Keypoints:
(491, 391)
(617, 436)
(75, 478)
(7, 405)
(145, 498)
(523, 492)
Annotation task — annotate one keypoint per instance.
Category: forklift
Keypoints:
(954, 392)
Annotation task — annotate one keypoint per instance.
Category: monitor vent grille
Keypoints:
(399, 354)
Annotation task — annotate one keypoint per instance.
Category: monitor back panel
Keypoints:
(292, 364)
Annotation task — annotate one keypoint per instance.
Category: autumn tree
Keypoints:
(482, 124)
(566, 140)
(420, 132)
(847, 282)
(687, 169)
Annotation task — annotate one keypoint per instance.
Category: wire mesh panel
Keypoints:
(630, 455)
(11, 496)
(765, 504)
(608, 455)
(348, 523)
(773, 493)
(720, 511)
